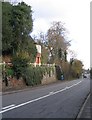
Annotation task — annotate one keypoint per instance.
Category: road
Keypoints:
(58, 100)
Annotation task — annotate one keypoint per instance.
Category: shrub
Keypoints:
(19, 65)
(33, 75)
(28, 76)
(10, 71)
(58, 72)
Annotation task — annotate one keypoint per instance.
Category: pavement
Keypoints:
(86, 109)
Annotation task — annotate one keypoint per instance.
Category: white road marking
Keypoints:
(8, 106)
(66, 88)
(24, 103)
(51, 93)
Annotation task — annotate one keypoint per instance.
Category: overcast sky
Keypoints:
(76, 16)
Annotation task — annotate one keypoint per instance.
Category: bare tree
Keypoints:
(56, 37)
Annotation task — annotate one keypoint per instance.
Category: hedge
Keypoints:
(33, 75)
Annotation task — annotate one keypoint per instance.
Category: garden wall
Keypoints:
(34, 76)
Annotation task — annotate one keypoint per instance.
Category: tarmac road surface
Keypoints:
(58, 100)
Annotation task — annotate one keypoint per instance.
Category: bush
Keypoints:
(19, 66)
(28, 76)
(33, 75)
(58, 72)
(9, 71)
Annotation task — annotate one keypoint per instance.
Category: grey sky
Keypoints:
(76, 16)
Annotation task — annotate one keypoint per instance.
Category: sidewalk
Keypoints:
(85, 111)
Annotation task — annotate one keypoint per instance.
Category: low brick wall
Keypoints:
(13, 83)
(46, 79)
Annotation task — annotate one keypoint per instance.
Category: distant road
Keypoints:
(58, 100)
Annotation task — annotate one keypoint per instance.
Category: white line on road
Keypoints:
(51, 93)
(24, 103)
(8, 106)
(66, 88)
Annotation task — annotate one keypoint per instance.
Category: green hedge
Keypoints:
(19, 65)
(31, 74)
(34, 75)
